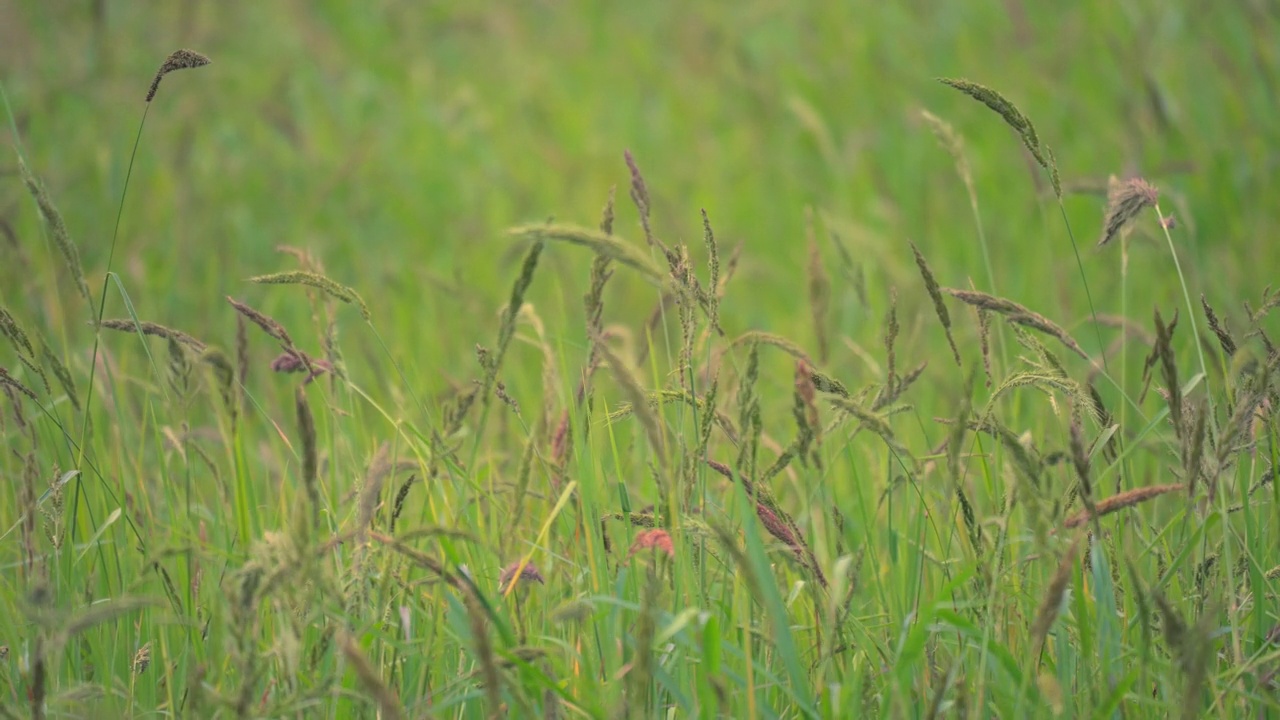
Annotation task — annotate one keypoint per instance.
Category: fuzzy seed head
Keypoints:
(178, 60)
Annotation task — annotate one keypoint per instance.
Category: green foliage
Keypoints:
(781, 493)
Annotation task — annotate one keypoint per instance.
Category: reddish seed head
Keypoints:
(656, 538)
(529, 573)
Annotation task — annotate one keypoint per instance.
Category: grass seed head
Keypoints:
(520, 573)
(713, 263)
(1126, 199)
(640, 196)
(388, 705)
(602, 244)
(177, 60)
(952, 143)
(1016, 314)
(57, 229)
(11, 329)
(268, 325)
(61, 373)
(1129, 498)
(329, 287)
(656, 539)
(142, 659)
(310, 453)
(935, 294)
(749, 419)
(1219, 329)
(154, 330)
(1016, 120)
(7, 380)
(1080, 461)
(1051, 604)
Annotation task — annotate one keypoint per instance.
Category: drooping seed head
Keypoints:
(178, 60)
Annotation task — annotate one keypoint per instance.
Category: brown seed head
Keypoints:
(178, 60)
(142, 659)
(1125, 199)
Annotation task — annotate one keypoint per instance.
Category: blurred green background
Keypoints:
(398, 140)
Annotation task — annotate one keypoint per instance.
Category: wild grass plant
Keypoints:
(610, 489)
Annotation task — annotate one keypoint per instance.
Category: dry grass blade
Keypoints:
(939, 306)
(331, 288)
(600, 243)
(1125, 200)
(57, 229)
(1123, 500)
(1016, 314)
(388, 705)
(177, 60)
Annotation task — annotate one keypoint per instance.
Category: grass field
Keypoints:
(650, 360)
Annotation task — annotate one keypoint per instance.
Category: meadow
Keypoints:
(557, 360)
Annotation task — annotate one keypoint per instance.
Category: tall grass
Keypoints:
(682, 503)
